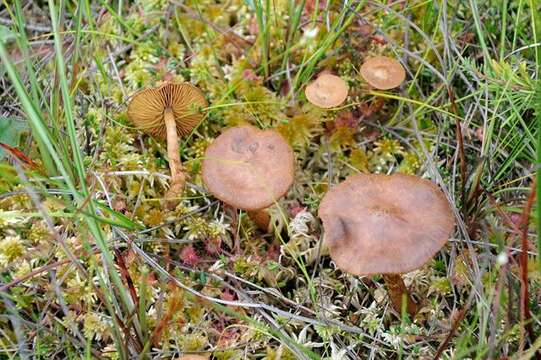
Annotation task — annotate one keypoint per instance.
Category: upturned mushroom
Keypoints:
(383, 73)
(166, 112)
(249, 169)
(385, 224)
(327, 91)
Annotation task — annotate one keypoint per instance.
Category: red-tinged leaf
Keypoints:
(20, 156)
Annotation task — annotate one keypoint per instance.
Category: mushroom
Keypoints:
(382, 72)
(165, 112)
(192, 357)
(385, 224)
(327, 91)
(249, 169)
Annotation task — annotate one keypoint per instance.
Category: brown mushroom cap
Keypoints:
(327, 91)
(383, 73)
(248, 168)
(385, 224)
(147, 108)
(193, 357)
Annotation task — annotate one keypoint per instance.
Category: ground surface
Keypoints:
(92, 264)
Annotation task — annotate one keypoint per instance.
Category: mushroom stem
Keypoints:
(177, 175)
(261, 218)
(397, 290)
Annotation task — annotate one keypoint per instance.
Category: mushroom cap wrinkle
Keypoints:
(385, 224)
(383, 73)
(248, 168)
(148, 107)
(327, 91)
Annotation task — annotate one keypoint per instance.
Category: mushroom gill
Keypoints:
(165, 112)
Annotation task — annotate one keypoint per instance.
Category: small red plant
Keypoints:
(188, 256)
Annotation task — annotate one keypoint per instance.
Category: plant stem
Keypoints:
(525, 314)
(397, 289)
(177, 175)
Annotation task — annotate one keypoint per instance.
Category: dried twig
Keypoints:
(31, 27)
(33, 273)
(461, 314)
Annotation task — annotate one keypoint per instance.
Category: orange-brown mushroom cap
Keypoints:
(147, 108)
(383, 73)
(327, 91)
(248, 168)
(385, 224)
(193, 357)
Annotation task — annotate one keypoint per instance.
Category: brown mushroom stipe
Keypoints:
(385, 224)
(397, 291)
(383, 73)
(164, 112)
(262, 219)
(249, 169)
(327, 91)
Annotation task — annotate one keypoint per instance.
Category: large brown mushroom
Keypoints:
(249, 169)
(383, 73)
(165, 112)
(327, 91)
(385, 224)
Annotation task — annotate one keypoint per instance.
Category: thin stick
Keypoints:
(32, 274)
(462, 312)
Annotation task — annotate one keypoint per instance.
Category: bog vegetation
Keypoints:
(116, 239)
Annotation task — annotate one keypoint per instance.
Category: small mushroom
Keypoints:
(165, 112)
(327, 91)
(383, 73)
(385, 224)
(249, 169)
(193, 357)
